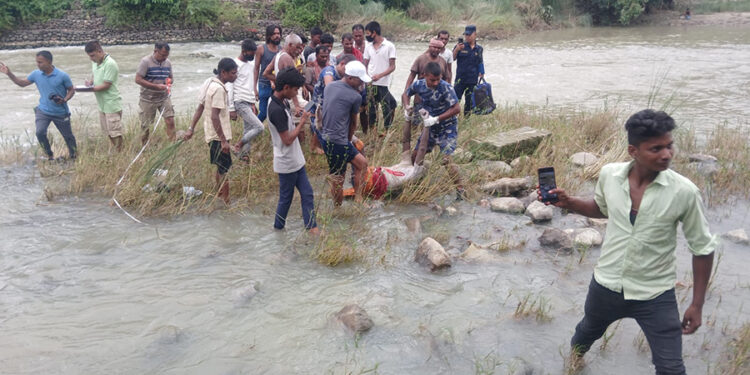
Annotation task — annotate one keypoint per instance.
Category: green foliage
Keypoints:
(623, 12)
(306, 13)
(136, 13)
(17, 12)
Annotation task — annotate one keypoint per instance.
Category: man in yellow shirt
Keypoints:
(636, 271)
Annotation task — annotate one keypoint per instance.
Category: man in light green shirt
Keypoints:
(636, 271)
(104, 86)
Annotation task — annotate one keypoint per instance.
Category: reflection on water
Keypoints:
(704, 66)
(85, 290)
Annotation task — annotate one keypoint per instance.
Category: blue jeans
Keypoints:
(265, 92)
(63, 125)
(658, 318)
(252, 127)
(287, 183)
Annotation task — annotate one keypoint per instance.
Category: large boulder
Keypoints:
(507, 205)
(556, 239)
(507, 186)
(431, 254)
(355, 318)
(738, 236)
(583, 159)
(539, 212)
(508, 145)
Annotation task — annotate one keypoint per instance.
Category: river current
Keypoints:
(84, 290)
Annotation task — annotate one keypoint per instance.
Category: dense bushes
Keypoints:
(136, 13)
(17, 12)
(307, 13)
(623, 12)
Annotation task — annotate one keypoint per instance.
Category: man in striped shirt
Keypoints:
(152, 74)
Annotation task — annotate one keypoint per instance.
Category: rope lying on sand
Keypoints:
(153, 132)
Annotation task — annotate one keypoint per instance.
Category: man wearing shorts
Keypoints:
(104, 86)
(340, 110)
(441, 102)
(217, 126)
(152, 74)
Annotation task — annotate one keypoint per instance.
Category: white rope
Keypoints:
(156, 125)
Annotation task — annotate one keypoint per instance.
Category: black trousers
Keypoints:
(465, 89)
(383, 97)
(658, 318)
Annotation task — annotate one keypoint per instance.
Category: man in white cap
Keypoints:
(340, 111)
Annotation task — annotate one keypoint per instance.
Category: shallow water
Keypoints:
(704, 67)
(85, 290)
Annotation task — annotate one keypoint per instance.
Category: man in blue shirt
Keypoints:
(55, 89)
(441, 126)
(469, 66)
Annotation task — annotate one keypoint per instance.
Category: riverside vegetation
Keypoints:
(254, 185)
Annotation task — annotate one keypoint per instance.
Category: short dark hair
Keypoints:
(289, 76)
(347, 36)
(326, 39)
(226, 64)
(648, 124)
(161, 45)
(270, 29)
(373, 26)
(319, 48)
(92, 46)
(304, 39)
(47, 55)
(249, 45)
(316, 31)
(358, 27)
(441, 32)
(345, 58)
(434, 69)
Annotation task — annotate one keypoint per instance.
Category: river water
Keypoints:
(85, 290)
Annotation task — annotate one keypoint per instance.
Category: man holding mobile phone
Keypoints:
(636, 271)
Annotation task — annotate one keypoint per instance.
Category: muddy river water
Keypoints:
(84, 290)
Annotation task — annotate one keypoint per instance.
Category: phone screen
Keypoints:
(547, 183)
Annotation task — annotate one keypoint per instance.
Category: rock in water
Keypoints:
(738, 235)
(242, 296)
(431, 254)
(355, 318)
(556, 239)
(506, 204)
(583, 159)
(507, 186)
(588, 237)
(539, 212)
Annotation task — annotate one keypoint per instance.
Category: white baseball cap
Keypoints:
(357, 69)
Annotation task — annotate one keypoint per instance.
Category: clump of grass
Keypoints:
(737, 353)
(536, 306)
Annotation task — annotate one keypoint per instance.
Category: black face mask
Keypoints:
(370, 38)
(249, 56)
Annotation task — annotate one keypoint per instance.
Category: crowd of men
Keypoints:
(337, 93)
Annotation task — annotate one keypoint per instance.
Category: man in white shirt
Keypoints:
(380, 60)
(242, 99)
(446, 54)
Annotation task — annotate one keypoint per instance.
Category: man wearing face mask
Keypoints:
(263, 57)
(242, 99)
(380, 59)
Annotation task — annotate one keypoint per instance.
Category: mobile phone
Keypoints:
(460, 40)
(547, 183)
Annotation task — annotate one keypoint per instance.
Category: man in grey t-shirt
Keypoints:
(340, 112)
